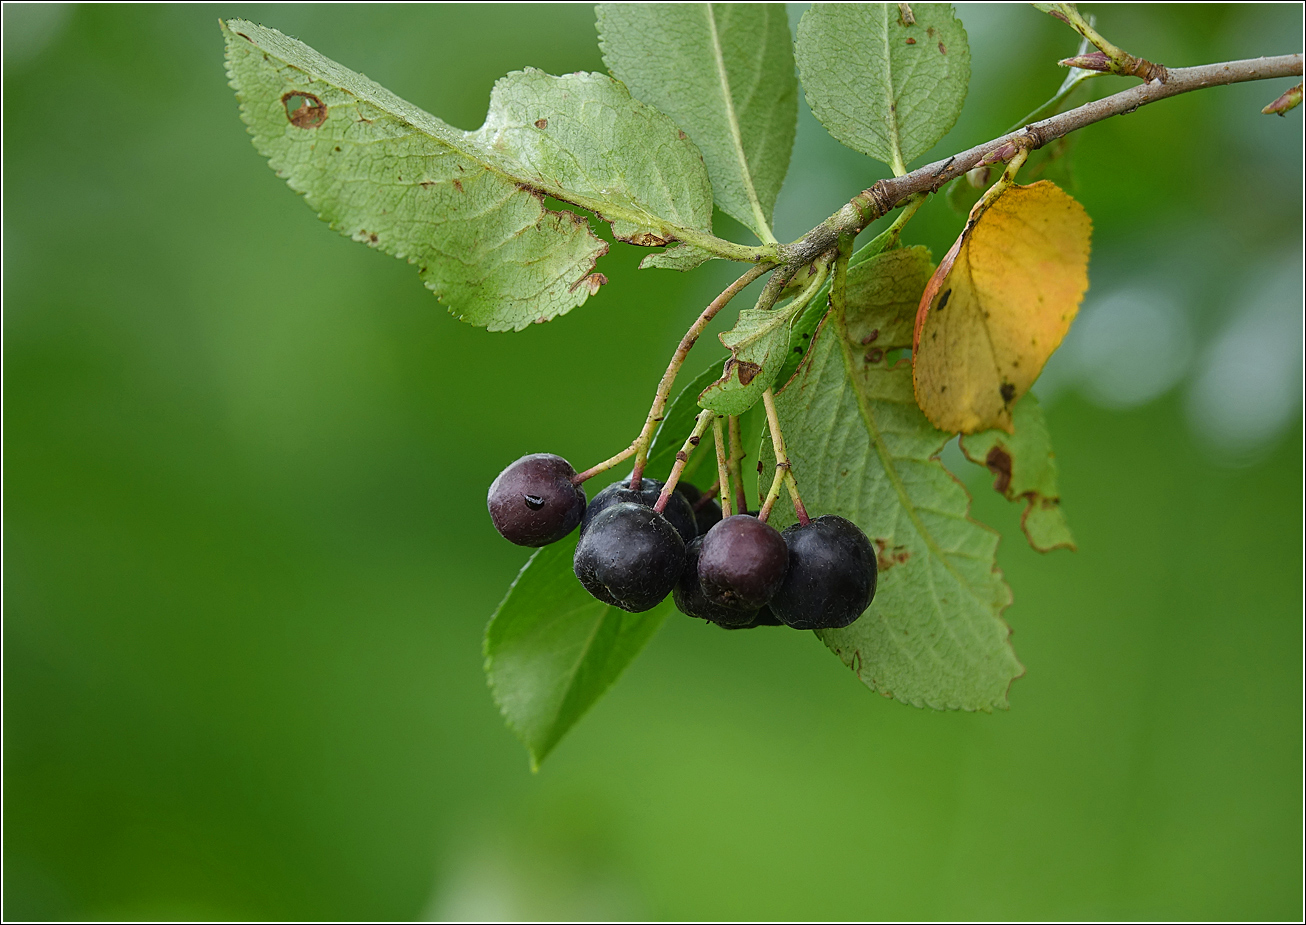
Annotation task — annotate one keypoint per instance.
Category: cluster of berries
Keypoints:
(737, 572)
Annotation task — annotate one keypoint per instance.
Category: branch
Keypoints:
(887, 195)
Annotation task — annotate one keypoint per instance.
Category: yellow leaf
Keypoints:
(998, 305)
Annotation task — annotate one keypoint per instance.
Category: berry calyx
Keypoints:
(629, 556)
(742, 563)
(677, 511)
(691, 601)
(533, 502)
(832, 574)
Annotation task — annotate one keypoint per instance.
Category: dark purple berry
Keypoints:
(764, 618)
(534, 503)
(742, 563)
(630, 556)
(677, 510)
(831, 578)
(691, 600)
(707, 511)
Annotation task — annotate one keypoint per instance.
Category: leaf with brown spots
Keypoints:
(876, 83)
(758, 344)
(469, 208)
(860, 448)
(1025, 468)
(1000, 302)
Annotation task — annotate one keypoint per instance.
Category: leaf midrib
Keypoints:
(898, 166)
(552, 736)
(464, 143)
(887, 459)
(732, 120)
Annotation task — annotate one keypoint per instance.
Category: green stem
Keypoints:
(639, 449)
(909, 208)
(769, 252)
(783, 470)
(722, 473)
(682, 457)
(1076, 76)
(736, 459)
(1118, 61)
(708, 494)
(1005, 182)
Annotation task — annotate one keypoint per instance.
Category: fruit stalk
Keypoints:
(723, 474)
(639, 449)
(708, 494)
(700, 427)
(783, 470)
(735, 466)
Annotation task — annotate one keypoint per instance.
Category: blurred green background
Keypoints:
(248, 562)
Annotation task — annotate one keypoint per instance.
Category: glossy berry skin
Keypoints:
(742, 563)
(707, 513)
(691, 601)
(832, 574)
(534, 503)
(630, 556)
(677, 510)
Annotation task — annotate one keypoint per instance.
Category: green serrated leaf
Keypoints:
(682, 257)
(757, 345)
(861, 448)
(467, 207)
(725, 74)
(804, 326)
(1024, 467)
(551, 650)
(676, 425)
(884, 292)
(880, 84)
(802, 331)
(583, 135)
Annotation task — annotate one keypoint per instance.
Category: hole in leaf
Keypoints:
(304, 110)
(892, 357)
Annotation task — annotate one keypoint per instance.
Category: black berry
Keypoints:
(691, 600)
(742, 563)
(630, 556)
(707, 511)
(677, 511)
(831, 577)
(764, 618)
(534, 503)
